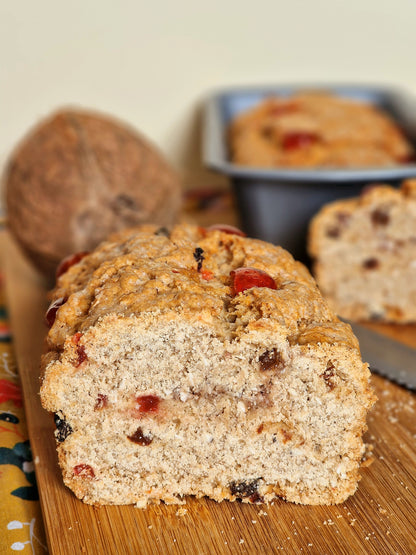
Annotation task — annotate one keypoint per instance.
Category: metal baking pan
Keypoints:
(276, 205)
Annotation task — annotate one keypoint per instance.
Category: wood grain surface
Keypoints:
(379, 518)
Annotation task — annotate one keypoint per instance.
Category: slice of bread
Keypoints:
(364, 252)
(200, 362)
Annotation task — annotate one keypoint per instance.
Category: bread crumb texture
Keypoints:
(167, 382)
(364, 252)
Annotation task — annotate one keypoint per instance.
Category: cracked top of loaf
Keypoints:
(188, 272)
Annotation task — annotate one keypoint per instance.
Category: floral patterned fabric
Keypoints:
(21, 527)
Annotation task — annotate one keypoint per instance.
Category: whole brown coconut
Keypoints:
(80, 176)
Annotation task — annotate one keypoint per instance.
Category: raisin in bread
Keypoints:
(317, 129)
(200, 362)
(364, 252)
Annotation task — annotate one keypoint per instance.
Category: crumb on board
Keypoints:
(366, 462)
(368, 457)
(181, 512)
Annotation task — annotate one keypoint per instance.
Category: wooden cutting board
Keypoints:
(379, 518)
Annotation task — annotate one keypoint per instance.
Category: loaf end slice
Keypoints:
(364, 252)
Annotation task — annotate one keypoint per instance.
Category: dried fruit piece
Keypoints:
(256, 498)
(63, 429)
(407, 159)
(139, 437)
(328, 375)
(199, 257)
(286, 435)
(380, 217)
(69, 261)
(207, 275)
(81, 354)
(244, 489)
(334, 232)
(225, 228)
(371, 264)
(271, 359)
(101, 402)
(343, 217)
(148, 403)
(84, 471)
(246, 278)
(299, 139)
(50, 315)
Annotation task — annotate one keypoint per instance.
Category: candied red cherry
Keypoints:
(206, 274)
(148, 403)
(246, 278)
(298, 139)
(84, 471)
(225, 228)
(69, 261)
(77, 337)
(50, 315)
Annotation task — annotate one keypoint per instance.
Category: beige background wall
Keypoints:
(153, 62)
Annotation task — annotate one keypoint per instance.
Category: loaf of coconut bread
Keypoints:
(316, 129)
(364, 252)
(199, 362)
